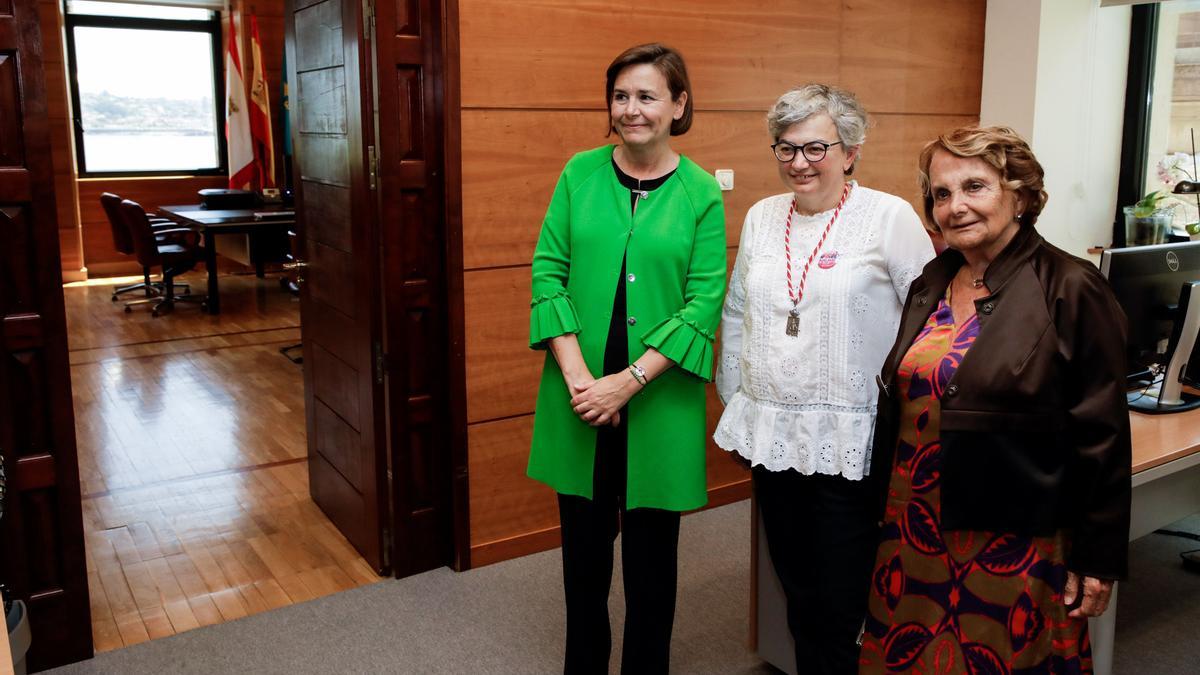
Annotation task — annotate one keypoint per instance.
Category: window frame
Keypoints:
(212, 26)
(1139, 100)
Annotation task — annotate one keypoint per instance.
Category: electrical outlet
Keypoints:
(724, 178)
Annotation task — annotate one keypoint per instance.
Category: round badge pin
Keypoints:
(827, 260)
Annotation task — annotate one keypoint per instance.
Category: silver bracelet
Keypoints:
(639, 373)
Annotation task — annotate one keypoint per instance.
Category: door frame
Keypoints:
(451, 115)
(406, 163)
(42, 549)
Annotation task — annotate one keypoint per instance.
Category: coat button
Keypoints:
(987, 307)
(631, 278)
(952, 390)
(632, 321)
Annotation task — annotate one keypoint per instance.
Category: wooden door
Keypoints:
(425, 365)
(41, 533)
(340, 298)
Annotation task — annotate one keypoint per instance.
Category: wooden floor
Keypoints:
(191, 439)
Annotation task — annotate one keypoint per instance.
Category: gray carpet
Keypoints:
(508, 618)
(1158, 617)
(503, 618)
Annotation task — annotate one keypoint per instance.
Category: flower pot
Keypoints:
(1149, 229)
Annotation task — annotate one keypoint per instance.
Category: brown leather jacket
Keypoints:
(1035, 430)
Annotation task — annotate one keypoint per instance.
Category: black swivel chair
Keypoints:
(123, 243)
(175, 250)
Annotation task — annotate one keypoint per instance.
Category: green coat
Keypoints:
(676, 258)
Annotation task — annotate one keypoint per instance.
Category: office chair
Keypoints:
(123, 243)
(175, 250)
(291, 283)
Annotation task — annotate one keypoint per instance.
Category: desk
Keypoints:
(212, 222)
(1166, 488)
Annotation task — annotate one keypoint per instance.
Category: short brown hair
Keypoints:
(1000, 148)
(670, 63)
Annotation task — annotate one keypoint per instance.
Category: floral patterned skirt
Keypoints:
(958, 601)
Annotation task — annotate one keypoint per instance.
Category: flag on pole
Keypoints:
(285, 119)
(237, 120)
(286, 112)
(260, 112)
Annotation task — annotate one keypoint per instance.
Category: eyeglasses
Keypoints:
(813, 151)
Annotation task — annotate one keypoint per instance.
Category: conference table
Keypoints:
(1166, 488)
(212, 222)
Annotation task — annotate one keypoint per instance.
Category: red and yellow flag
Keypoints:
(237, 124)
(260, 112)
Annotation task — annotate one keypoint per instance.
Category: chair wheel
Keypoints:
(128, 310)
(114, 297)
(154, 313)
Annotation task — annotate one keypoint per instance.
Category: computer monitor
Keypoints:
(1189, 357)
(1153, 285)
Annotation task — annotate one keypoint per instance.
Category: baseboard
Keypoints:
(73, 275)
(544, 540)
(515, 547)
(728, 494)
(113, 269)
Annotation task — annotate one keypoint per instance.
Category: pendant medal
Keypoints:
(826, 261)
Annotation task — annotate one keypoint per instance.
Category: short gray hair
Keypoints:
(803, 102)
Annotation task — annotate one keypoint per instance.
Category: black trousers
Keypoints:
(649, 554)
(822, 537)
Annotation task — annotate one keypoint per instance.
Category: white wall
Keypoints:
(1055, 71)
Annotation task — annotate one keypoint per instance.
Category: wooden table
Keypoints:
(212, 222)
(1166, 488)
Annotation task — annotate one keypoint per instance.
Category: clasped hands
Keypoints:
(599, 401)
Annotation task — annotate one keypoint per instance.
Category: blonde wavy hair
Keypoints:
(1000, 148)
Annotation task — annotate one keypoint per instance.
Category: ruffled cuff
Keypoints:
(685, 343)
(551, 315)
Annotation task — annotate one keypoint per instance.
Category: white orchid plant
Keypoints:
(1173, 168)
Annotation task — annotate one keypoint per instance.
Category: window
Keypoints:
(1175, 110)
(145, 88)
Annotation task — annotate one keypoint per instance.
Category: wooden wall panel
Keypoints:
(502, 371)
(889, 161)
(507, 506)
(510, 174)
(516, 157)
(723, 470)
(552, 54)
(531, 83)
(504, 502)
(101, 258)
(59, 120)
(914, 56)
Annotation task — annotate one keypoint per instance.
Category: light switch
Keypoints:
(725, 178)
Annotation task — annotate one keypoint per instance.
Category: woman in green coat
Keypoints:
(628, 282)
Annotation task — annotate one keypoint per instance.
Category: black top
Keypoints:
(616, 350)
(611, 443)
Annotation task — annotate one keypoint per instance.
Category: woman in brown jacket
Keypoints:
(1003, 422)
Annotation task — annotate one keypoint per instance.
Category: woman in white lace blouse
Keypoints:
(811, 311)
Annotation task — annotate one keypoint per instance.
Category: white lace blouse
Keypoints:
(808, 402)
